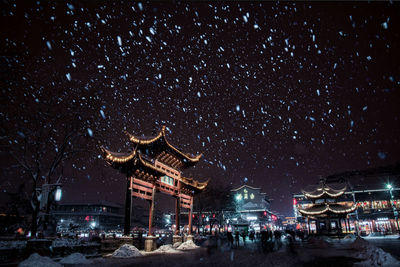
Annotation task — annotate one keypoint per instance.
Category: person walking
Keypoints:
(229, 236)
(251, 236)
(243, 235)
(277, 236)
(237, 238)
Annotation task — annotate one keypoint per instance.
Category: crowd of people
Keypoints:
(269, 240)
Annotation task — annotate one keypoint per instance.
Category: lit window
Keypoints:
(251, 196)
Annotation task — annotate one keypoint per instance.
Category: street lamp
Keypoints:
(389, 186)
(58, 194)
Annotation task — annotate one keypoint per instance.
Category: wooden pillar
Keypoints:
(177, 214)
(128, 206)
(308, 223)
(345, 225)
(151, 211)
(190, 216)
(329, 224)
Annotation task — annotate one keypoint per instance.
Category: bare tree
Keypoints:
(213, 202)
(41, 140)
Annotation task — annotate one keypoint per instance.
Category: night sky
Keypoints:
(273, 94)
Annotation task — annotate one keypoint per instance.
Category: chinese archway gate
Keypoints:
(156, 166)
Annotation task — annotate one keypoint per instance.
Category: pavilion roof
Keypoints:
(245, 185)
(191, 182)
(117, 156)
(135, 158)
(326, 208)
(323, 190)
(161, 140)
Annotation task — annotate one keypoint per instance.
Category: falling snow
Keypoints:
(258, 88)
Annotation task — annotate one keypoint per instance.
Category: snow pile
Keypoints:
(75, 258)
(35, 260)
(372, 255)
(166, 249)
(349, 236)
(126, 251)
(188, 245)
(177, 244)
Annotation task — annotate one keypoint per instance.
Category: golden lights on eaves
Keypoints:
(141, 141)
(326, 209)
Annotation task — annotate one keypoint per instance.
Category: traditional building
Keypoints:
(253, 207)
(325, 209)
(376, 194)
(154, 165)
(102, 215)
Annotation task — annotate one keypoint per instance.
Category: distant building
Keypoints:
(85, 216)
(375, 194)
(254, 208)
(103, 215)
(289, 222)
(327, 209)
(251, 212)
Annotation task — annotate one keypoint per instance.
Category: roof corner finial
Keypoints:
(322, 180)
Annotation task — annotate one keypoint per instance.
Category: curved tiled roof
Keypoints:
(161, 135)
(136, 157)
(323, 208)
(118, 157)
(323, 190)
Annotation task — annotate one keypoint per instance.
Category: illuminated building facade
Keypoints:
(325, 208)
(253, 207)
(376, 210)
(87, 216)
(103, 216)
(249, 212)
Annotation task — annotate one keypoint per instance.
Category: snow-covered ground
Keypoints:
(372, 255)
(319, 251)
(75, 258)
(13, 244)
(67, 242)
(382, 237)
